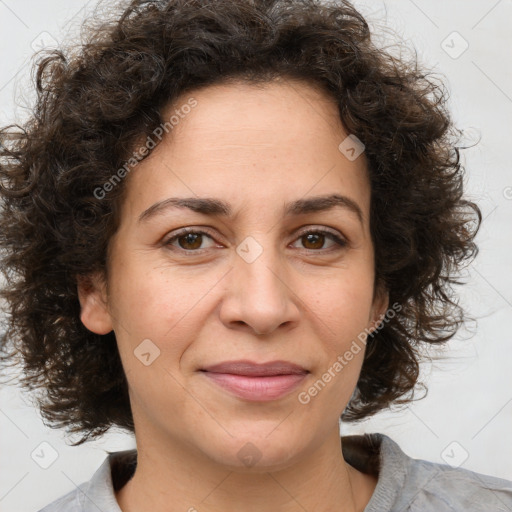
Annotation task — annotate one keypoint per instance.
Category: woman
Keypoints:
(228, 224)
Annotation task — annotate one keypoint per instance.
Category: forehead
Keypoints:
(264, 144)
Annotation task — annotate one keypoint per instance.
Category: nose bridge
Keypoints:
(258, 265)
(260, 297)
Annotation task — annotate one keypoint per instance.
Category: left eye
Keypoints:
(191, 240)
(317, 237)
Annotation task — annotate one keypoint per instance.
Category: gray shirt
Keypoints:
(404, 484)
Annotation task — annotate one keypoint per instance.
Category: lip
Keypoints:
(252, 369)
(256, 381)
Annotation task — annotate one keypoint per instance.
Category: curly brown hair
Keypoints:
(94, 104)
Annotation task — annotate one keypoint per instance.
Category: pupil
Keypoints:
(312, 237)
(190, 238)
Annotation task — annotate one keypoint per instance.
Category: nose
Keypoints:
(259, 297)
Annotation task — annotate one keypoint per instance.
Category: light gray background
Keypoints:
(466, 418)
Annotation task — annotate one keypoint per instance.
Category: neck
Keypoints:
(178, 478)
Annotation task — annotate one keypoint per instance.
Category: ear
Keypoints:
(379, 306)
(92, 295)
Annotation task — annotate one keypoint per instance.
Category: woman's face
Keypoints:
(248, 284)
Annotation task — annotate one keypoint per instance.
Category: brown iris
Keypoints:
(193, 240)
(314, 238)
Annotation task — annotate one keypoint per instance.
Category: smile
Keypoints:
(260, 389)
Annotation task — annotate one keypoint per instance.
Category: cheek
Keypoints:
(162, 308)
(343, 305)
(153, 329)
(147, 299)
(341, 314)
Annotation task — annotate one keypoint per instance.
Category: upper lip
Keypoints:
(245, 367)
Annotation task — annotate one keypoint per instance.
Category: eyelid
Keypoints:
(320, 228)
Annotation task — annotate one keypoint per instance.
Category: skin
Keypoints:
(305, 302)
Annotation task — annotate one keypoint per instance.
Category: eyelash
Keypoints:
(333, 236)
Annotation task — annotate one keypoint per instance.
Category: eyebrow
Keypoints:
(219, 208)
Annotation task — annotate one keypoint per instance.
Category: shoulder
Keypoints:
(67, 503)
(442, 487)
(99, 492)
(406, 484)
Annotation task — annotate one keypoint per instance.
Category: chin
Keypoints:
(262, 451)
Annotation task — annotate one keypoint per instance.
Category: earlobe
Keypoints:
(94, 312)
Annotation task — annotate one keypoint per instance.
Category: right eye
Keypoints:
(189, 240)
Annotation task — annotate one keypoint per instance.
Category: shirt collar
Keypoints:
(371, 453)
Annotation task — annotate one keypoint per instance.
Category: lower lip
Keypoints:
(260, 389)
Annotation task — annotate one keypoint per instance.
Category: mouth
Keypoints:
(252, 369)
(255, 381)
